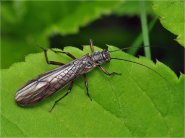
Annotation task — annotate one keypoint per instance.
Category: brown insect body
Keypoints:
(50, 82)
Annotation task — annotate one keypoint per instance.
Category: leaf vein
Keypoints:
(152, 102)
(14, 124)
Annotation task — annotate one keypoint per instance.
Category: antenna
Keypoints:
(141, 65)
(125, 48)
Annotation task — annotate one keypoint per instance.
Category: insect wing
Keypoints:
(42, 87)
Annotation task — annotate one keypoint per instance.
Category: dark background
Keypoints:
(24, 23)
(112, 30)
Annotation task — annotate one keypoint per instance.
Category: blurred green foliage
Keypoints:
(131, 8)
(26, 25)
(172, 17)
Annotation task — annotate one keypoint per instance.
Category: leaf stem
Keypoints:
(139, 40)
(144, 26)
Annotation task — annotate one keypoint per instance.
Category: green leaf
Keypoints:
(31, 23)
(137, 103)
(172, 17)
(132, 8)
(12, 50)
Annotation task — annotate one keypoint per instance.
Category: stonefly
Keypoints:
(50, 82)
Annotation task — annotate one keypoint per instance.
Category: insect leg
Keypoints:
(68, 91)
(67, 53)
(51, 62)
(86, 86)
(107, 73)
(91, 46)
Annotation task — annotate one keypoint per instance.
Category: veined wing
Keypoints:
(47, 84)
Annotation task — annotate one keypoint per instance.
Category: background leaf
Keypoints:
(172, 17)
(131, 8)
(27, 24)
(137, 103)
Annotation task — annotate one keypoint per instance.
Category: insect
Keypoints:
(47, 84)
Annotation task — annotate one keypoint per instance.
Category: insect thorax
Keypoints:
(100, 57)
